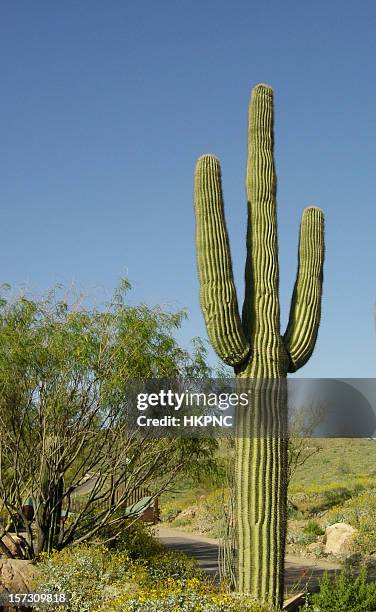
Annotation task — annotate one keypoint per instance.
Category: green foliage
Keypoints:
(313, 528)
(50, 337)
(192, 600)
(175, 565)
(98, 579)
(303, 535)
(300, 538)
(203, 490)
(314, 498)
(84, 573)
(64, 375)
(138, 540)
(344, 593)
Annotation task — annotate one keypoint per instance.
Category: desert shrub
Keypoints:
(138, 541)
(300, 538)
(214, 508)
(93, 577)
(97, 579)
(313, 528)
(84, 573)
(189, 600)
(345, 593)
(174, 565)
(303, 534)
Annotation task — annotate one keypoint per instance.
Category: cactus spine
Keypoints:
(253, 344)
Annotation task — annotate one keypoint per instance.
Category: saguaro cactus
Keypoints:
(253, 344)
(51, 496)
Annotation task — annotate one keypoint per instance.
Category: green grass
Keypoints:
(340, 460)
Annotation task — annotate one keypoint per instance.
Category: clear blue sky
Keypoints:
(105, 107)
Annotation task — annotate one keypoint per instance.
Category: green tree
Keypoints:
(64, 402)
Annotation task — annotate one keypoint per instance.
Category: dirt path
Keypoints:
(299, 571)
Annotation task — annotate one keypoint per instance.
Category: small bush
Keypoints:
(344, 593)
(303, 539)
(84, 573)
(189, 600)
(102, 580)
(313, 528)
(138, 541)
(172, 565)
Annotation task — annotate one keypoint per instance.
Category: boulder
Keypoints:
(339, 539)
(188, 513)
(17, 576)
(16, 546)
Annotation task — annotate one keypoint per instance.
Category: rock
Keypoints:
(339, 540)
(188, 513)
(15, 545)
(17, 576)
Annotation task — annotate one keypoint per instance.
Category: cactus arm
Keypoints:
(261, 304)
(301, 333)
(217, 289)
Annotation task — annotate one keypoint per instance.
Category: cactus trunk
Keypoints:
(253, 344)
(51, 496)
(261, 490)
